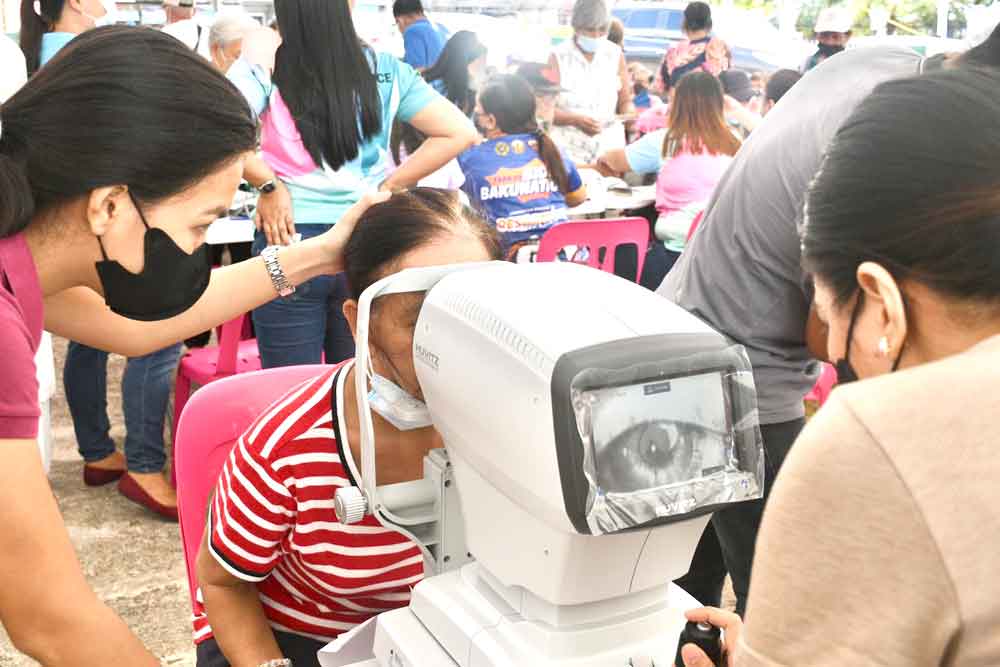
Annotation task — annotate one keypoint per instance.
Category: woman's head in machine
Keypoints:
(415, 228)
(904, 259)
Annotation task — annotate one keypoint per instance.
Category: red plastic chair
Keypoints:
(202, 366)
(694, 224)
(821, 390)
(600, 237)
(214, 419)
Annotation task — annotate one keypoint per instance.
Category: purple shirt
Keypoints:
(20, 334)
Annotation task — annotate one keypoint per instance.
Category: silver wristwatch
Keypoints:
(283, 662)
(278, 279)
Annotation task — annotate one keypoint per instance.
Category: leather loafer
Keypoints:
(131, 489)
(94, 476)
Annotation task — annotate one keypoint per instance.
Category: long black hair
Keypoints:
(117, 106)
(912, 181)
(34, 26)
(326, 77)
(452, 69)
(408, 220)
(510, 99)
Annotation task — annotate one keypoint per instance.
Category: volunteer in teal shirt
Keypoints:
(326, 114)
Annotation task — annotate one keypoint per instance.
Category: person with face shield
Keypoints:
(881, 535)
(268, 542)
(102, 241)
(49, 25)
(518, 179)
(598, 86)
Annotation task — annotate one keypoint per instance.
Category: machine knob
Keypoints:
(350, 505)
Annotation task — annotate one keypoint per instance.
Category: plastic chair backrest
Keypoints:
(824, 385)
(229, 344)
(694, 224)
(215, 417)
(601, 237)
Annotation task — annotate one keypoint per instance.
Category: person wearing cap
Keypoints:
(183, 24)
(544, 82)
(597, 83)
(742, 104)
(833, 31)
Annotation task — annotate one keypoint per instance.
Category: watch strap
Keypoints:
(281, 284)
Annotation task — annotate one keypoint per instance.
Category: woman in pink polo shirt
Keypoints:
(113, 163)
(697, 150)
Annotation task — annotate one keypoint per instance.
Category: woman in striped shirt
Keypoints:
(280, 576)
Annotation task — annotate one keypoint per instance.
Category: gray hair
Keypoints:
(591, 15)
(230, 28)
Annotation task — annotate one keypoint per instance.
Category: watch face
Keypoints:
(268, 187)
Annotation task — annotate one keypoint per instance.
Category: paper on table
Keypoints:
(351, 647)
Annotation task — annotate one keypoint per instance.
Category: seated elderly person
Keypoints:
(597, 86)
(225, 39)
(279, 576)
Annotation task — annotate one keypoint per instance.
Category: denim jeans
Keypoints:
(736, 530)
(297, 648)
(302, 328)
(145, 395)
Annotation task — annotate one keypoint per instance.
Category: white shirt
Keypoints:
(13, 72)
(192, 33)
(592, 88)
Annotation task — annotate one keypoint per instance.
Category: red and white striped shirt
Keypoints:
(272, 522)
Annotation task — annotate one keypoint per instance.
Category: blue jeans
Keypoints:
(301, 328)
(145, 394)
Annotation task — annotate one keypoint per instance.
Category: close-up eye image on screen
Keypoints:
(659, 433)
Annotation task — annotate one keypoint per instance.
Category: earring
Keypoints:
(883, 346)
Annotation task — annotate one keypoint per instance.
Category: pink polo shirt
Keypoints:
(20, 333)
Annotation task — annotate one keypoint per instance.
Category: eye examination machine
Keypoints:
(591, 428)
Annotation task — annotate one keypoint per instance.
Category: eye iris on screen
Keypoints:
(656, 445)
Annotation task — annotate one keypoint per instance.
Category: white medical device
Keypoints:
(591, 428)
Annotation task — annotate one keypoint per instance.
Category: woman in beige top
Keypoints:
(881, 539)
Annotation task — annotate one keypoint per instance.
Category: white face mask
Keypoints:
(110, 14)
(588, 44)
(396, 405)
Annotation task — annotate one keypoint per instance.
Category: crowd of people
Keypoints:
(850, 214)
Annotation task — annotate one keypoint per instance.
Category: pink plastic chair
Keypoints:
(204, 365)
(597, 236)
(821, 390)
(214, 419)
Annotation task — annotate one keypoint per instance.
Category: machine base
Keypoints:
(456, 620)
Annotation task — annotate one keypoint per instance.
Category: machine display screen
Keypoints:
(655, 434)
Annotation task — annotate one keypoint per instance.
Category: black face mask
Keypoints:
(828, 50)
(845, 372)
(171, 281)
